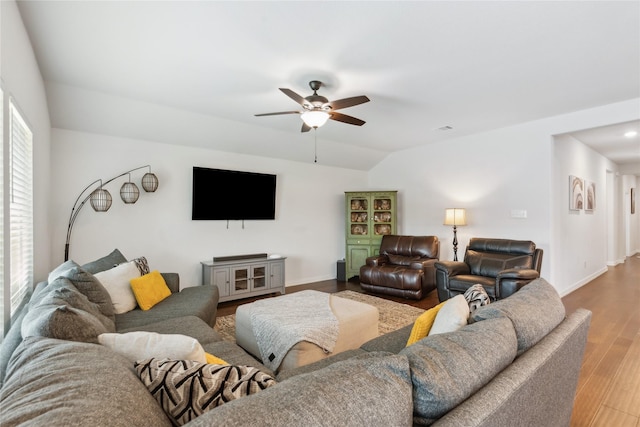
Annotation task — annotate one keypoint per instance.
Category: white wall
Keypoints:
(581, 235)
(491, 174)
(308, 230)
(22, 81)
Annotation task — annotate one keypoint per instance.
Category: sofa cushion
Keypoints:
(88, 285)
(363, 391)
(54, 382)
(11, 340)
(142, 345)
(392, 342)
(107, 262)
(62, 292)
(234, 355)
(62, 322)
(186, 389)
(200, 301)
(117, 282)
(187, 325)
(534, 310)
(448, 368)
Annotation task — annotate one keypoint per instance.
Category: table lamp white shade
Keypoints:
(455, 216)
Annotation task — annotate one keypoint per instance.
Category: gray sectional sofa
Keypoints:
(516, 364)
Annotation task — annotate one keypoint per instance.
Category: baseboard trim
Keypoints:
(584, 281)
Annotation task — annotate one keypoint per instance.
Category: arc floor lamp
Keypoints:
(100, 198)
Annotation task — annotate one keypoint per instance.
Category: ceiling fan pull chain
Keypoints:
(315, 145)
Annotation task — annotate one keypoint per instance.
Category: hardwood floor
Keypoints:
(609, 387)
(608, 391)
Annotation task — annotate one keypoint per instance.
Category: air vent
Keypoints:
(445, 128)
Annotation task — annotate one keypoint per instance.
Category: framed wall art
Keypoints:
(576, 193)
(590, 198)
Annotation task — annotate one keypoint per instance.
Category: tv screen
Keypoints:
(220, 194)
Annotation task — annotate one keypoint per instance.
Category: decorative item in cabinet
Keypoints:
(358, 204)
(382, 229)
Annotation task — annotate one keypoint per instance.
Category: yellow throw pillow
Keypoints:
(149, 289)
(423, 324)
(213, 360)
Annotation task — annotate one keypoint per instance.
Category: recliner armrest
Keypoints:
(423, 263)
(376, 261)
(518, 273)
(452, 268)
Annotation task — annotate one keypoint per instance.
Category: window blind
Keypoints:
(20, 206)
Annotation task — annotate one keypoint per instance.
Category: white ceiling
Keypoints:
(196, 72)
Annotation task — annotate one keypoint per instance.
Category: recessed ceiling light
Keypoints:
(631, 134)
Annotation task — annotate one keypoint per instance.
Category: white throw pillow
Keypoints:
(453, 315)
(117, 282)
(142, 345)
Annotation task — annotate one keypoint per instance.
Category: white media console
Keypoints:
(244, 276)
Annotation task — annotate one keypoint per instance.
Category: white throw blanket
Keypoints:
(280, 323)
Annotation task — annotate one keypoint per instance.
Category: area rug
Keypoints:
(392, 315)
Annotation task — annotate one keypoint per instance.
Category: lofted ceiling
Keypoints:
(196, 72)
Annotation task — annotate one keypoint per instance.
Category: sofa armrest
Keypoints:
(452, 268)
(376, 261)
(173, 281)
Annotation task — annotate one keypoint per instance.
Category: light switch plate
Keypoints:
(518, 213)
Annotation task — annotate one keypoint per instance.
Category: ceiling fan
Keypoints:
(318, 109)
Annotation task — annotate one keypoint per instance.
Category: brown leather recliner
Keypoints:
(501, 266)
(404, 268)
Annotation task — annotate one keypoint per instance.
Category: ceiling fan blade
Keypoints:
(291, 94)
(346, 119)
(275, 114)
(348, 102)
(305, 127)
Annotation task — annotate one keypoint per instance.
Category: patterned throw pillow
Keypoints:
(187, 389)
(142, 264)
(476, 296)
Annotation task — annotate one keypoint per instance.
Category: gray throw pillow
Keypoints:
(88, 285)
(107, 262)
(62, 322)
(448, 368)
(62, 292)
(535, 310)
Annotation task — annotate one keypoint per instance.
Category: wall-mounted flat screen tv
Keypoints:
(220, 194)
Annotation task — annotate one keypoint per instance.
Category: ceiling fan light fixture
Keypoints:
(315, 118)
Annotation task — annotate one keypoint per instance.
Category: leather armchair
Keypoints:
(501, 266)
(404, 268)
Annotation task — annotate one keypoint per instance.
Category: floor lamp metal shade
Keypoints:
(101, 199)
(129, 192)
(455, 217)
(150, 182)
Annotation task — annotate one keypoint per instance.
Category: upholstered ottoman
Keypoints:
(357, 324)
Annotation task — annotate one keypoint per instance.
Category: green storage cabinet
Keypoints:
(370, 215)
